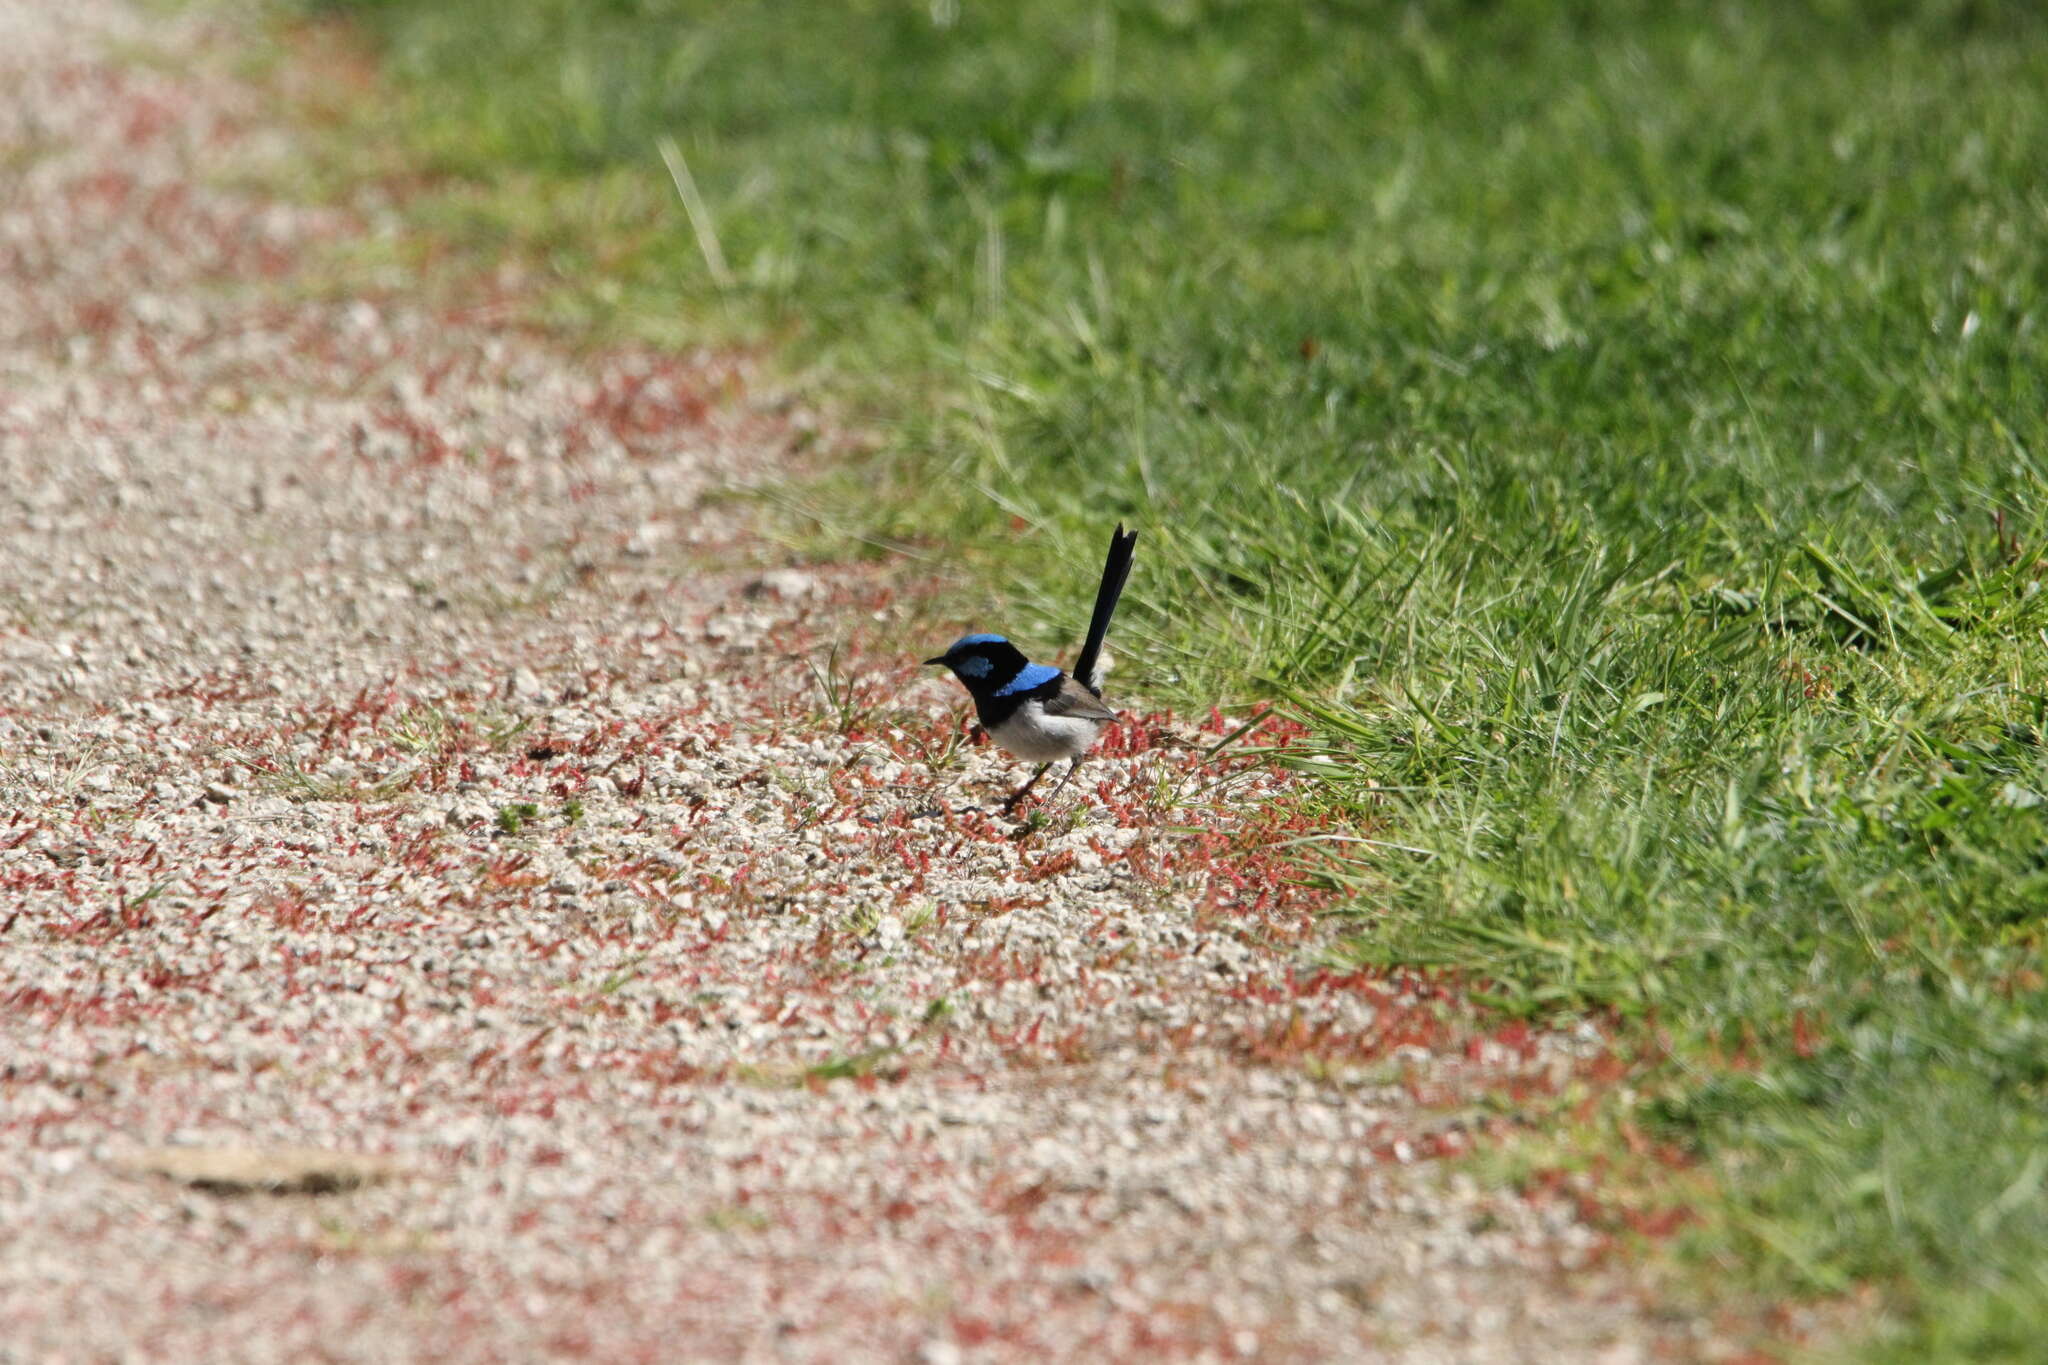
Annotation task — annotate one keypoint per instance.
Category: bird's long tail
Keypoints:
(1122, 545)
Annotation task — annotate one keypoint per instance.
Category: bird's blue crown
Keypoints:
(991, 666)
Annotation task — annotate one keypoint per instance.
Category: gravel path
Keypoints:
(445, 913)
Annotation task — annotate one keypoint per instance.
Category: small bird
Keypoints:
(1034, 711)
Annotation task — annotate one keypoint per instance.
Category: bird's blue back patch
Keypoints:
(977, 640)
(1028, 677)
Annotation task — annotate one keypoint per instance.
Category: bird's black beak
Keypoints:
(941, 659)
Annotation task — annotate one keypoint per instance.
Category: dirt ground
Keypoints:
(465, 895)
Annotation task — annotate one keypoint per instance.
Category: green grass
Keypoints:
(1618, 425)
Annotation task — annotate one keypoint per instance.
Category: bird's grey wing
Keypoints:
(1075, 700)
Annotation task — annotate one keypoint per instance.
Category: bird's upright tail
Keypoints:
(1122, 545)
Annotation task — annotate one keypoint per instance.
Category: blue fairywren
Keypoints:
(1034, 711)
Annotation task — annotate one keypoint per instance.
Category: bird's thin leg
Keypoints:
(1072, 768)
(1018, 795)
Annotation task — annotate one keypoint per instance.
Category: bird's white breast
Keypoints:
(1032, 735)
